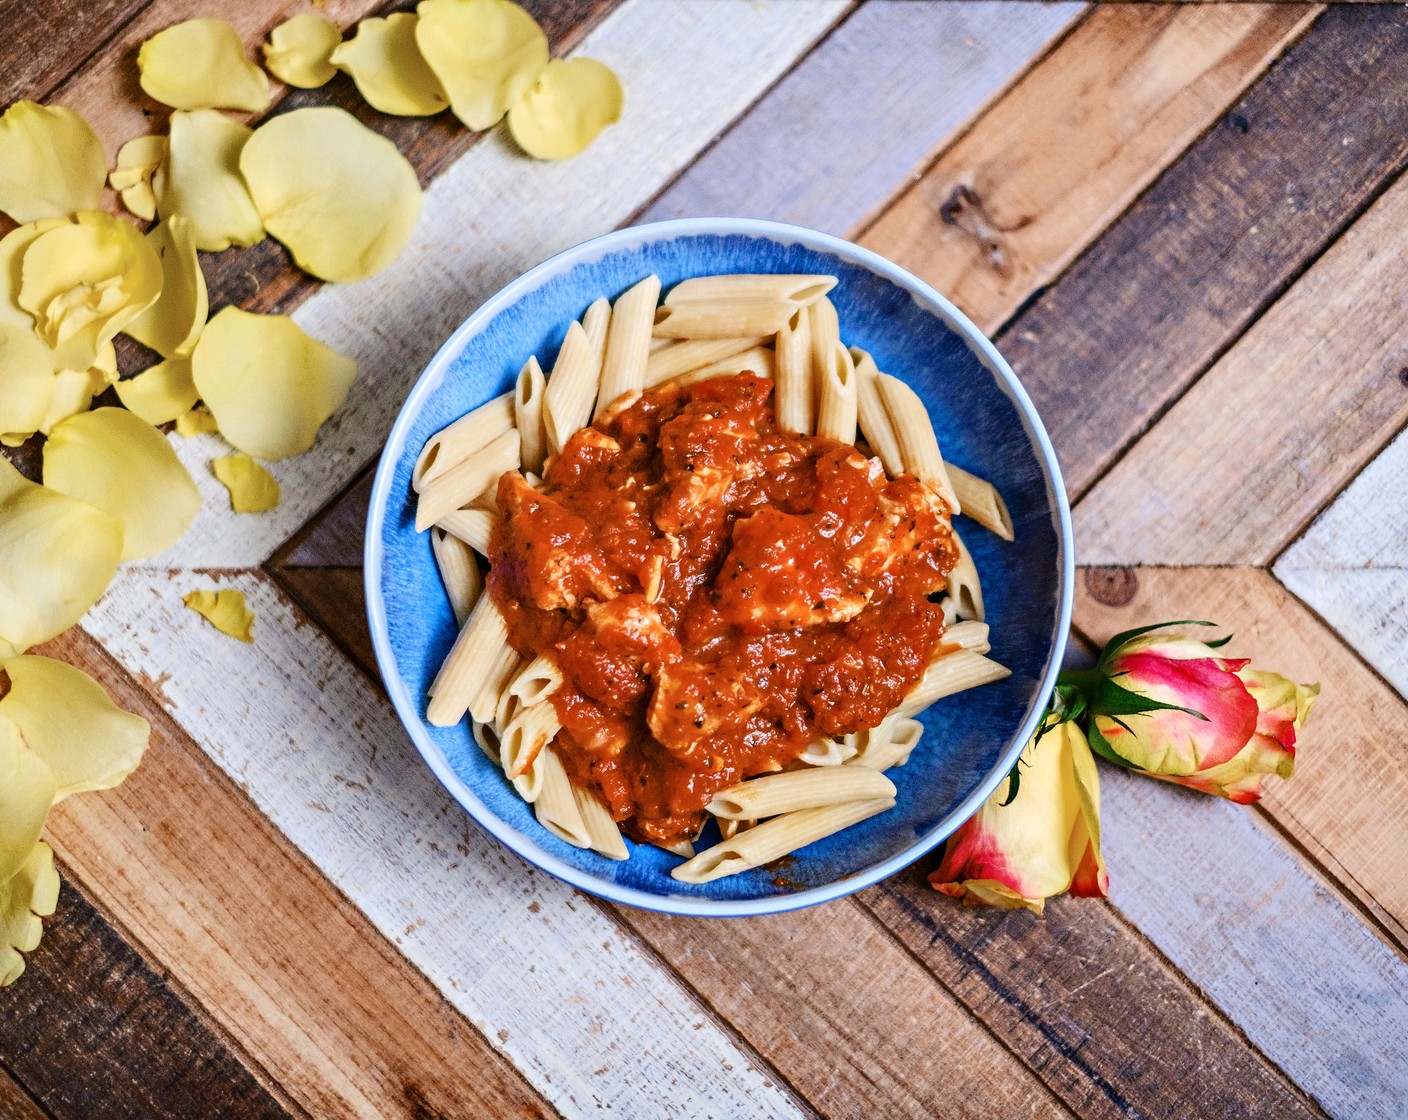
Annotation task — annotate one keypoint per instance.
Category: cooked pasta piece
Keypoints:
(472, 526)
(528, 415)
(774, 839)
(795, 400)
(890, 744)
(836, 411)
(787, 792)
(743, 287)
(508, 706)
(482, 638)
(467, 480)
(919, 446)
(828, 752)
(981, 501)
(955, 671)
(870, 413)
(628, 343)
(454, 444)
(596, 321)
(724, 318)
(825, 331)
(729, 829)
(521, 744)
(602, 834)
(488, 740)
(556, 807)
(963, 584)
(758, 360)
(970, 634)
(571, 391)
(536, 681)
(459, 572)
(491, 689)
(682, 848)
(676, 357)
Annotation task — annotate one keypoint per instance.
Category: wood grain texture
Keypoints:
(317, 997)
(517, 952)
(44, 43)
(95, 1033)
(336, 598)
(1080, 997)
(1352, 564)
(1323, 806)
(681, 62)
(1062, 153)
(15, 1103)
(831, 141)
(1218, 237)
(1279, 425)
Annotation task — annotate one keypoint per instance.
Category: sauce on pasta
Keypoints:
(717, 593)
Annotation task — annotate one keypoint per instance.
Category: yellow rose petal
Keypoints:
(172, 324)
(31, 893)
(57, 556)
(73, 393)
(225, 610)
(120, 464)
(486, 53)
(27, 789)
(298, 49)
(26, 381)
(51, 162)
(269, 385)
(563, 113)
(340, 197)
(201, 181)
(84, 281)
(200, 64)
(196, 422)
(252, 488)
(12, 250)
(137, 162)
(67, 719)
(163, 393)
(390, 72)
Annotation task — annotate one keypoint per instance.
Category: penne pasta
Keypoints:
(890, 744)
(743, 287)
(970, 634)
(536, 681)
(981, 501)
(757, 360)
(471, 526)
(836, 408)
(724, 318)
(454, 444)
(681, 848)
(729, 829)
(825, 332)
(628, 343)
(507, 707)
(919, 446)
(482, 639)
(964, 586)
(528, 415)
(486, 700)
(521, 743)
(954, 672)
(676, 357)
(572, 388)
(792, 790)
(467, 480)
(488, 740)
(556, 807)
(795, 397)
(774, 839)
(828, 752)
(459, 572)
(602, 834)
(596, 322)
(874, 421)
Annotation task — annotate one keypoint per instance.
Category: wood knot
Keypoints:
(964, 209)
(1111, 587)
(1403, 377)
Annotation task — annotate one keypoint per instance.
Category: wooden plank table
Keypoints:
(1184, 225)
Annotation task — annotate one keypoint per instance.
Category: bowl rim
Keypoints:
(408, 711)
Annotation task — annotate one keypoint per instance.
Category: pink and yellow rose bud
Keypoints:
(1044, 841)
(1240, 723)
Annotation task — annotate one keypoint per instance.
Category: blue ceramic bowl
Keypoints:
(985, 423)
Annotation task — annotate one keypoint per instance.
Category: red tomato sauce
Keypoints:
(717, 593)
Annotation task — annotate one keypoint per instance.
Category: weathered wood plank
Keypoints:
(1047, 168)
(1352, 564)
(560, 990)
(690, 68)
(15, 1103)
(1217, 238)
(874, 101)
(43, 44)
(337, 594)
(94, 1032)
(317, 997)
(1286, 418)
(1353, 732)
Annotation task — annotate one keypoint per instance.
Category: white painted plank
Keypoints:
(689, 68)
(594, 1024)
(1352, 564)
(869, 107)
(1222, 896)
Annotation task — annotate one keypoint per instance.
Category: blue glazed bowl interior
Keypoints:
(984, 423)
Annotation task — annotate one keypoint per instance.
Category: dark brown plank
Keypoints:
(92, 1031)
(45, 42)
(15, 1103)
(1219, 237)
(335, 597)
(1110, 1026)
